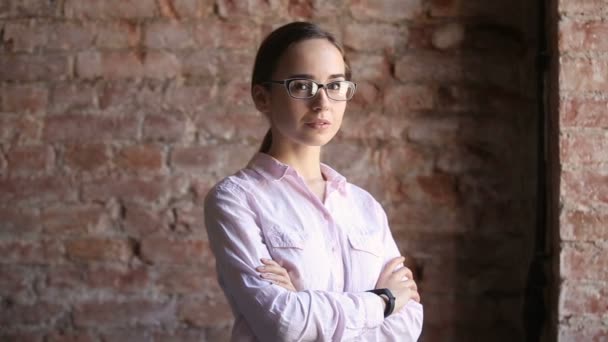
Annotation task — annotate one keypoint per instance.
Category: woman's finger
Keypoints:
(273, 269)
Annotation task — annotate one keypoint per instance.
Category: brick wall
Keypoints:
(116, 116)
(582, 173)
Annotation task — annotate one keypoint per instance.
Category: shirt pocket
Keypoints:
(366, 255)
(278, 237)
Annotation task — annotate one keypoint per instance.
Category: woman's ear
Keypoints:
(261, 98)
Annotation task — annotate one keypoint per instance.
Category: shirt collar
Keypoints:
(277, 170)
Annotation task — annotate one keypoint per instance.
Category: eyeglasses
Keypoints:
(301, 88)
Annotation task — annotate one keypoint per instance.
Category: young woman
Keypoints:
(298, 249)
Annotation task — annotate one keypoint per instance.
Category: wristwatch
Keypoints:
(390, 305)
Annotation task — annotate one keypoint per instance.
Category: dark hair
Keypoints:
(273, 47)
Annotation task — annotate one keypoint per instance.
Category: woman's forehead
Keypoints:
(316, 57)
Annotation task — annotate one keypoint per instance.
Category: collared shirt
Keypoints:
(333, 249)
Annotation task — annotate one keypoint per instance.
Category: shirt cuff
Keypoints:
(374, 310)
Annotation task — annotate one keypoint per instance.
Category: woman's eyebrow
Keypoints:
(311, 77)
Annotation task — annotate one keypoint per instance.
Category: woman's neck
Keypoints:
(306, 160)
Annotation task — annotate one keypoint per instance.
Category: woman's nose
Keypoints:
(320, 101)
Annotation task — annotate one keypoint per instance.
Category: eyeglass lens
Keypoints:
(339, 90)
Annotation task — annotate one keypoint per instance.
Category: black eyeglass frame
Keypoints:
(287, 81)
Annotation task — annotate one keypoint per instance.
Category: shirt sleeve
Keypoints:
(272, 312)
(405, 324)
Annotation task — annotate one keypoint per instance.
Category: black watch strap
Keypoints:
(390, 306)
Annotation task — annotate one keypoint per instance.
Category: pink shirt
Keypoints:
(334, 252)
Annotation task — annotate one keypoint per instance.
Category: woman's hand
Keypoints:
(276, 274)
(395, 281)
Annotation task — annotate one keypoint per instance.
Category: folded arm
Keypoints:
(272, 312)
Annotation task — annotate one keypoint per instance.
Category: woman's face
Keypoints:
(307, 122)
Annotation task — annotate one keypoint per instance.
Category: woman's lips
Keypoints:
(318, 124)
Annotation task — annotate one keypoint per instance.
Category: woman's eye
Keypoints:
(334, 86)
(302, 86)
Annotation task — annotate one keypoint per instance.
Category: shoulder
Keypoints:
(361, 195)
(234, 187)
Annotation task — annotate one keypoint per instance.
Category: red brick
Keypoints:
(203, 63)
(582, 36)
(31, 314)
(87, 157)
(222, 160)
(69, 36)
(168, 34)
(118, 34)
(438, 189)
(161, 250)
(434, 131)
(154, 190)
(192, 97)
(193, 8)
(30, 159)
(457, 159)
(386, 10)
(584, 261)
(375, 38)
(33, 8)
(578, 298)
(43, 251)
(15, 281)
(584, 146)
(112, 313)
(448, 36)
(400, 99)
(71, 96)
(24, 36)
(188, 217)
(37, 190)
(23, 336)
(584, 187)
(583, 75)
(134, 334)
(90, 128)
(19, 221)
(252, 8)
(24, 98)
(206, 33)
(79, 220)
(140, 221)
(33, 68)
(189, 335)
(583, 113)
(496, 11)
(104, 9)
(579, 225)
(167, 127)
(583, 329)
(99, 249)
(232, 35)
(496, 70)
(371, 68)
(62, 279)
(204, 312)
(74, 336)
(228, 123)
(127, 64)
(237, 93)
(131, 95)
(19, 128)
(582, 7)
(366, 124)
(301, 8)
(365, 96)
(140, 158)
(183, 280)
(121, 279)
